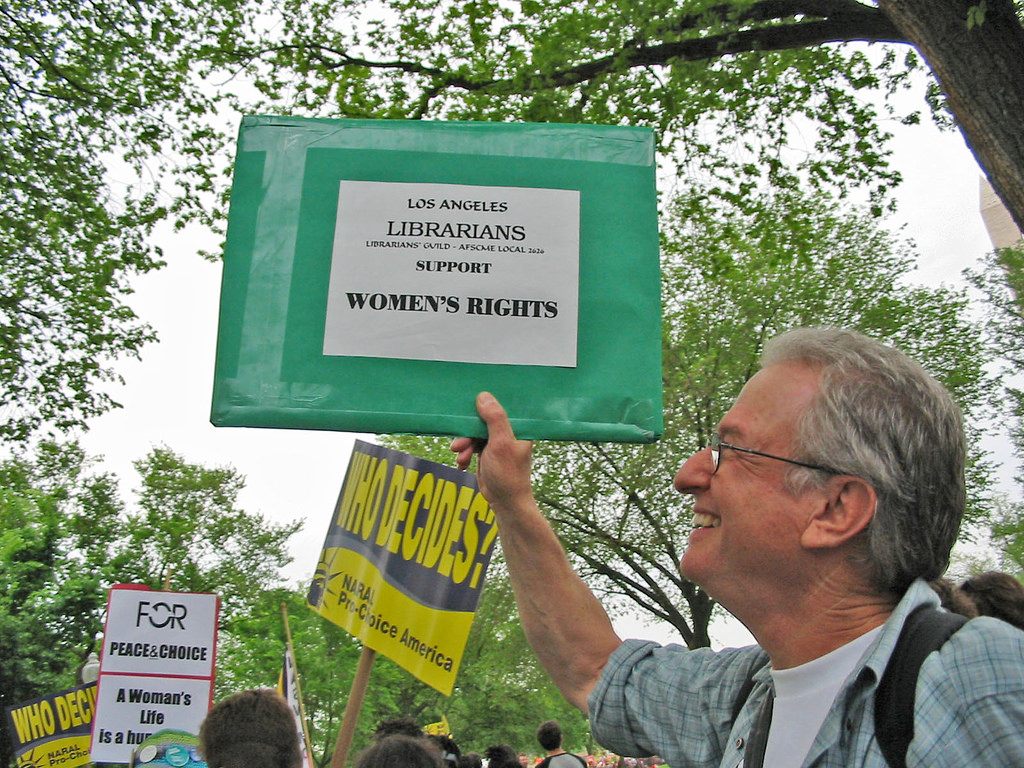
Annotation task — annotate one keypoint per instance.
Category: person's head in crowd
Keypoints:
(251, 729)
(953, 598)
(471, 760)
(501, 756)
(404, 726)
(448, 748)
(400, 751)
(524, 761)
(549, 735)
(997, 594)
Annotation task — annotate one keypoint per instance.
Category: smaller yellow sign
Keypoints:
(67, 752)
(438, 729)
(404, 560)
(53, 730)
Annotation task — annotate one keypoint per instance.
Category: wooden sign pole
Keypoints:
(355, 704)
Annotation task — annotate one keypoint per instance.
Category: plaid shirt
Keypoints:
(969, 710)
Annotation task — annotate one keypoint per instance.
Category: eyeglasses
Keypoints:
(716, 445)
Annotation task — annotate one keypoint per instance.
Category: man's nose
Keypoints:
(696, 472)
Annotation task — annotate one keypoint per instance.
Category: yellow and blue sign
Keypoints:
(404, 560)
(53, 730)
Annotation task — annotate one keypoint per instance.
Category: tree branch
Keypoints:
(796, 25)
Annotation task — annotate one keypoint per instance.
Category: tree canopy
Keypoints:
(746, 65)
(101, 121)
(67, 535)
(732, 280)
(114, 119)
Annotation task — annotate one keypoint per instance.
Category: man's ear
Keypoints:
(848, 504)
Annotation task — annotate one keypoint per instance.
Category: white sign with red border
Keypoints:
(157, 667)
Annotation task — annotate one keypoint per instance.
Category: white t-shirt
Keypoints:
(803, 696)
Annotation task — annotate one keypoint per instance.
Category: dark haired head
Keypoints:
(404, 726)
(953, 598)
(449, 749)
(400, 751)
(997, 594)
(251, 729)
(501, 756)
(471, 760)
(549, 734)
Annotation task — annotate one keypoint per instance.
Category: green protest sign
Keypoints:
(378, 274)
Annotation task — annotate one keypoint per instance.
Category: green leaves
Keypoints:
(1000, 280)
(50, 602)
(94, 94)
(66, 535)
(976, 15)
(739, 72)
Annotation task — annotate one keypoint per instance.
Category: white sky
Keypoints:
(297, 474)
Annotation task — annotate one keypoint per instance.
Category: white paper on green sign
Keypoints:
(458, 273)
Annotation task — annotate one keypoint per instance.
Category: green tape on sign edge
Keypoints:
(614, 393)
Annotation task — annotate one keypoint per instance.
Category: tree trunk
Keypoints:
(981, 71)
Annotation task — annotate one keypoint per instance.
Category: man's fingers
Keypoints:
(463, 459)
(460, 444)
(464, 448)
(494, 416)
(498, 426)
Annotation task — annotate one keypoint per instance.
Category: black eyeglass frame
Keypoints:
(716, 444)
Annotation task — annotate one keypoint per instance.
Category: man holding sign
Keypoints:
(832, 489)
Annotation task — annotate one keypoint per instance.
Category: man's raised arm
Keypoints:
(564, 622)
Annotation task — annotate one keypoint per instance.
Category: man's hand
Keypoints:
(566, 625)
(504, 471)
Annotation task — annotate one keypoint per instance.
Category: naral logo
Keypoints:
(161, 614)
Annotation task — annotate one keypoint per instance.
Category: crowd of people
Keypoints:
(401, 742)
(256, 729)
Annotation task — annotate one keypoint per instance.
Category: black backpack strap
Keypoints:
(926, 630)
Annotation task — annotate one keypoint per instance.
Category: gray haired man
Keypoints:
(831, 491)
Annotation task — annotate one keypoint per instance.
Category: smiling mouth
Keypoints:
(704, 520)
